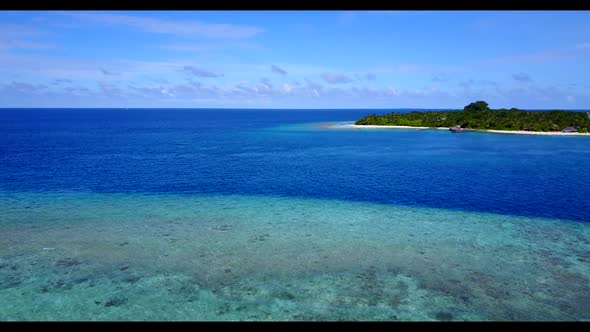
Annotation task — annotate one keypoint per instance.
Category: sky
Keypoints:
(295, 59)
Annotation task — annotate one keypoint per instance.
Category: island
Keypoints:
(477, 116)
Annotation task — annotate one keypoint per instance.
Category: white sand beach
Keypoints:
(384, 127)
(493, 131)
(522, 132)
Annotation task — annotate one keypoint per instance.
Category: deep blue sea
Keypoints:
(219, 214)
(282, 153)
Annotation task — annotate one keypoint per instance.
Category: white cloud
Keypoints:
(199, 72)
(172, 27)
(23, 44)
(16, 36)
(278, 70)
(521, 77)
(188, 47)
(370, 76)
(336, 78)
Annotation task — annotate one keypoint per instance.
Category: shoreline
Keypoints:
(522, 132)
(491, 131)
(388, 127)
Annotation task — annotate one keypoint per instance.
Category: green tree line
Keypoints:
(478, 115)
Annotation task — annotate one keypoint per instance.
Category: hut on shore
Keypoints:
(569, 130)
(456, 129)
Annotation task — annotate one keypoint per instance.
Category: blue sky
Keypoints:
(295, 59)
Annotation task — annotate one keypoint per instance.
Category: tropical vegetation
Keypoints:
(478, 115)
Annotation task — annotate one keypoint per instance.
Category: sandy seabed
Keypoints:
(85, 256)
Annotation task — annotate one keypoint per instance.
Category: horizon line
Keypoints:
(289, 109)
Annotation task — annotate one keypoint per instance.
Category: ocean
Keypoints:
(220, 214)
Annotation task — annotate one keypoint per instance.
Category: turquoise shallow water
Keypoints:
(107, 256)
